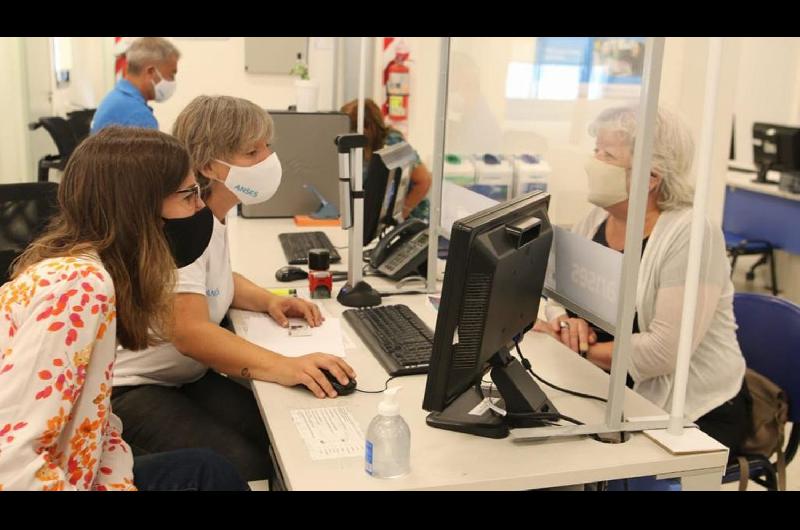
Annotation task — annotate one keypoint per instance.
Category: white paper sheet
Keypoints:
(329, 432)
(260, 329)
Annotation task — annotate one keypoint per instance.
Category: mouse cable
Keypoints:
(527, 366)
(396, 293)
(400, 287)
(385, 386)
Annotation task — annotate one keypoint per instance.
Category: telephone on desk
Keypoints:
(403, 251)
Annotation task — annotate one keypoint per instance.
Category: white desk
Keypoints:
(744, 181)
(448, 460)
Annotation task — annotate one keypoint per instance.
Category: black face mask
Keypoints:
(188, 237)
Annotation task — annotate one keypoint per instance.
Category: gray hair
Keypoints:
(147, 51)
(218, 127)
(673, 151)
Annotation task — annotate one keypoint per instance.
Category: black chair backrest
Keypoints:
(62, 135)
(81, 122)
(25, 210)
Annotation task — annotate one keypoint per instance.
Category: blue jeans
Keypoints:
(186, 470)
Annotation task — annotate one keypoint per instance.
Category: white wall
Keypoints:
(91, 77)
(424, 86)
(768, 88)
(216, 67)
(13, 125)
(683, 90)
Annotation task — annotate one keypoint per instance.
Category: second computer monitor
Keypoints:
(386, 183)
(775, 148)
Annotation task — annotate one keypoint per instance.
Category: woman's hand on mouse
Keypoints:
(280, 308)
(307, 370)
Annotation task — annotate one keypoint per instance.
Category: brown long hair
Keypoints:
(375, 129)
(110, 201)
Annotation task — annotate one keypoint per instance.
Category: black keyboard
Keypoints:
(297, 244)
(395, 336)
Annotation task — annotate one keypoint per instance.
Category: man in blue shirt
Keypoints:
(151, 70)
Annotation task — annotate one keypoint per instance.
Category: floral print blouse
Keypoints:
(57, 341)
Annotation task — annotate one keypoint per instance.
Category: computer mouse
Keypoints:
(290, 274)
(341, 389)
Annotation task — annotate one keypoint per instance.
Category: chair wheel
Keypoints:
(750, 276)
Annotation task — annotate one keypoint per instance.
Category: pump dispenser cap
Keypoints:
(389, 405)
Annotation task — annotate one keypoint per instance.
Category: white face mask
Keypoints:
(607, 183)
(164, 89)
(257, 183)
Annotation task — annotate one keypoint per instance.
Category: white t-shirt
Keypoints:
(211, 275)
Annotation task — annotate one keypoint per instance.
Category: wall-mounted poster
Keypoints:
(588, 67)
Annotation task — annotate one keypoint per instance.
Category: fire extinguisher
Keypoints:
(398, 79)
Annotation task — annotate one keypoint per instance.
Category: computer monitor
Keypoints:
(385, 186)
(492, 286)
(776, 148)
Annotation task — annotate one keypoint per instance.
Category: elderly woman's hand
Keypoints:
(543, 327)
(574, 333)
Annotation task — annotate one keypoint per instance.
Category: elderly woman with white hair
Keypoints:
(717, 398)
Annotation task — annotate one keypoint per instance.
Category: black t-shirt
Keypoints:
(600, 237)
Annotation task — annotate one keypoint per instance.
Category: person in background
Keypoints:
(152, 68)
(168, 398)
(380, 135)
(101, 275)
(717, 398)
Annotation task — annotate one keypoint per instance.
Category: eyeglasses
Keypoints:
(196, 190)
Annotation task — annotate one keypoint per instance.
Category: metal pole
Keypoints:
(697, 236)
(637, 203)
(356, 243)
(438, 163)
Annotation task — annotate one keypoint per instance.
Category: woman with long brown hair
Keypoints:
(101, 275)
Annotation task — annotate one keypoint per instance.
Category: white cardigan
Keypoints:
(717, 367)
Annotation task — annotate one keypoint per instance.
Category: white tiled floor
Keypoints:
(259, 485)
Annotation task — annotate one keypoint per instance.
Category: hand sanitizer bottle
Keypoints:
(388, 444)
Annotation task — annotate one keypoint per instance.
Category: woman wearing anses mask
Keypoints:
(717, 398)
(169, 397)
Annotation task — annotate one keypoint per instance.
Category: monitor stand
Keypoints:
(525, 403)
(761, 176)
(359, 295)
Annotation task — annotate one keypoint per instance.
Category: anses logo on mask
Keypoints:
(246, 191)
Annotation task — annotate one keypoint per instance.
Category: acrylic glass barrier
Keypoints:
(518, 118)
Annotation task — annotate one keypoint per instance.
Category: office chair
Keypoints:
(769, 336)
(737, 245)
(64, 137)
(80, 121)
(25, 210)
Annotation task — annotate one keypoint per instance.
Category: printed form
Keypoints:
(329, 432)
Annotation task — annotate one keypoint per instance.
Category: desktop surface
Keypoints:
(737, 179)
(443, 459)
